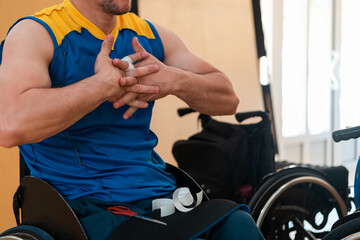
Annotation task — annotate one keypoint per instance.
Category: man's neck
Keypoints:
(104, 21)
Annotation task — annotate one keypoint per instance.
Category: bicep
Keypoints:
(27, 53)
(178, 55)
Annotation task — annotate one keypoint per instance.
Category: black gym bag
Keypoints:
(228, 160)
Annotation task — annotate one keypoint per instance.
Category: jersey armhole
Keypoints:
(161, 51)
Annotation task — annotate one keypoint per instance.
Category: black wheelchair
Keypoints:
(348, 227)
(43, 214)
(293, 202)
(290, 201)
(298, 202)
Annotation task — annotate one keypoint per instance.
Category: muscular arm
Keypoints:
(202, 86)
(30, 110)
(183, 74)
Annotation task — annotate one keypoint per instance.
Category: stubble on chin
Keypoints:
(110, 7)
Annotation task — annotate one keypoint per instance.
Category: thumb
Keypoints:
(137, 46)
(107, 45)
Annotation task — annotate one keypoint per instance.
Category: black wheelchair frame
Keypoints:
(43, 214)
(348, 228)
(295, 203)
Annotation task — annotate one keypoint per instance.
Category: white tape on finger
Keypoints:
(128, 59)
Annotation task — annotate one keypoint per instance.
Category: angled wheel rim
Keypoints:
(293, 182)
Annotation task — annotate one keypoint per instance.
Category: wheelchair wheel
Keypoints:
(25, 232)
(298, 204)
(347, 231)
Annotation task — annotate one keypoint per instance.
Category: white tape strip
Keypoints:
(165, 205)
(181, 200)
(183, 196)
(128, 59)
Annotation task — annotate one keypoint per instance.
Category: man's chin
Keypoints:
(110, 7)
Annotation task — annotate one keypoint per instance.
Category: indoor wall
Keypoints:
(221, 32)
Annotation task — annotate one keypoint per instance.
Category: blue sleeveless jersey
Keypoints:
(102, 155)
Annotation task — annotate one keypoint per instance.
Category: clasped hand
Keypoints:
(124, 87)
(140, 81)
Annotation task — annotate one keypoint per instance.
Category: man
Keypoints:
(80, 115)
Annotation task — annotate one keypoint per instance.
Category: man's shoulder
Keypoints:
(57, 21)
(139, 25)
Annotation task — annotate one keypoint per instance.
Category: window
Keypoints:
(313, 65)
(349, 67)
(306, 55)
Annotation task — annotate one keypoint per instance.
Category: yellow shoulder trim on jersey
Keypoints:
(65, 18)
(59, 21)
(133, 22)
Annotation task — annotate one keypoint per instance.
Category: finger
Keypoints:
(135, 57)
(107, 45)
(138, 104)
(129, 112)
(142, 71)
(123, 65)
(139, 88)
(125, 99)
(136, 45)
(126, 62)
(146, 97)
(128, 81)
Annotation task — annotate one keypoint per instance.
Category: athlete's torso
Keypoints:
(102, 155)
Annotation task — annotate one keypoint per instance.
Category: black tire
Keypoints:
(297, 195)
(345, 231)
(25, 232)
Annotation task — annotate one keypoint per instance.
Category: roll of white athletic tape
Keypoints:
(181, 200)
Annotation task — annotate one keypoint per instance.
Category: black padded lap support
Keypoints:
(185, 180)
(180, 225)
(47, 209)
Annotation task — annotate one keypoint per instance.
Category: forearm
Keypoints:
(39, 113)
(200, 85)
(209, 93)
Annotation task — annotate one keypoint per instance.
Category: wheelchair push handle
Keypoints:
(346, 134)
(184, 111)
(246, 115)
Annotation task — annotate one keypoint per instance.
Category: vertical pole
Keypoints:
(134, 7)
